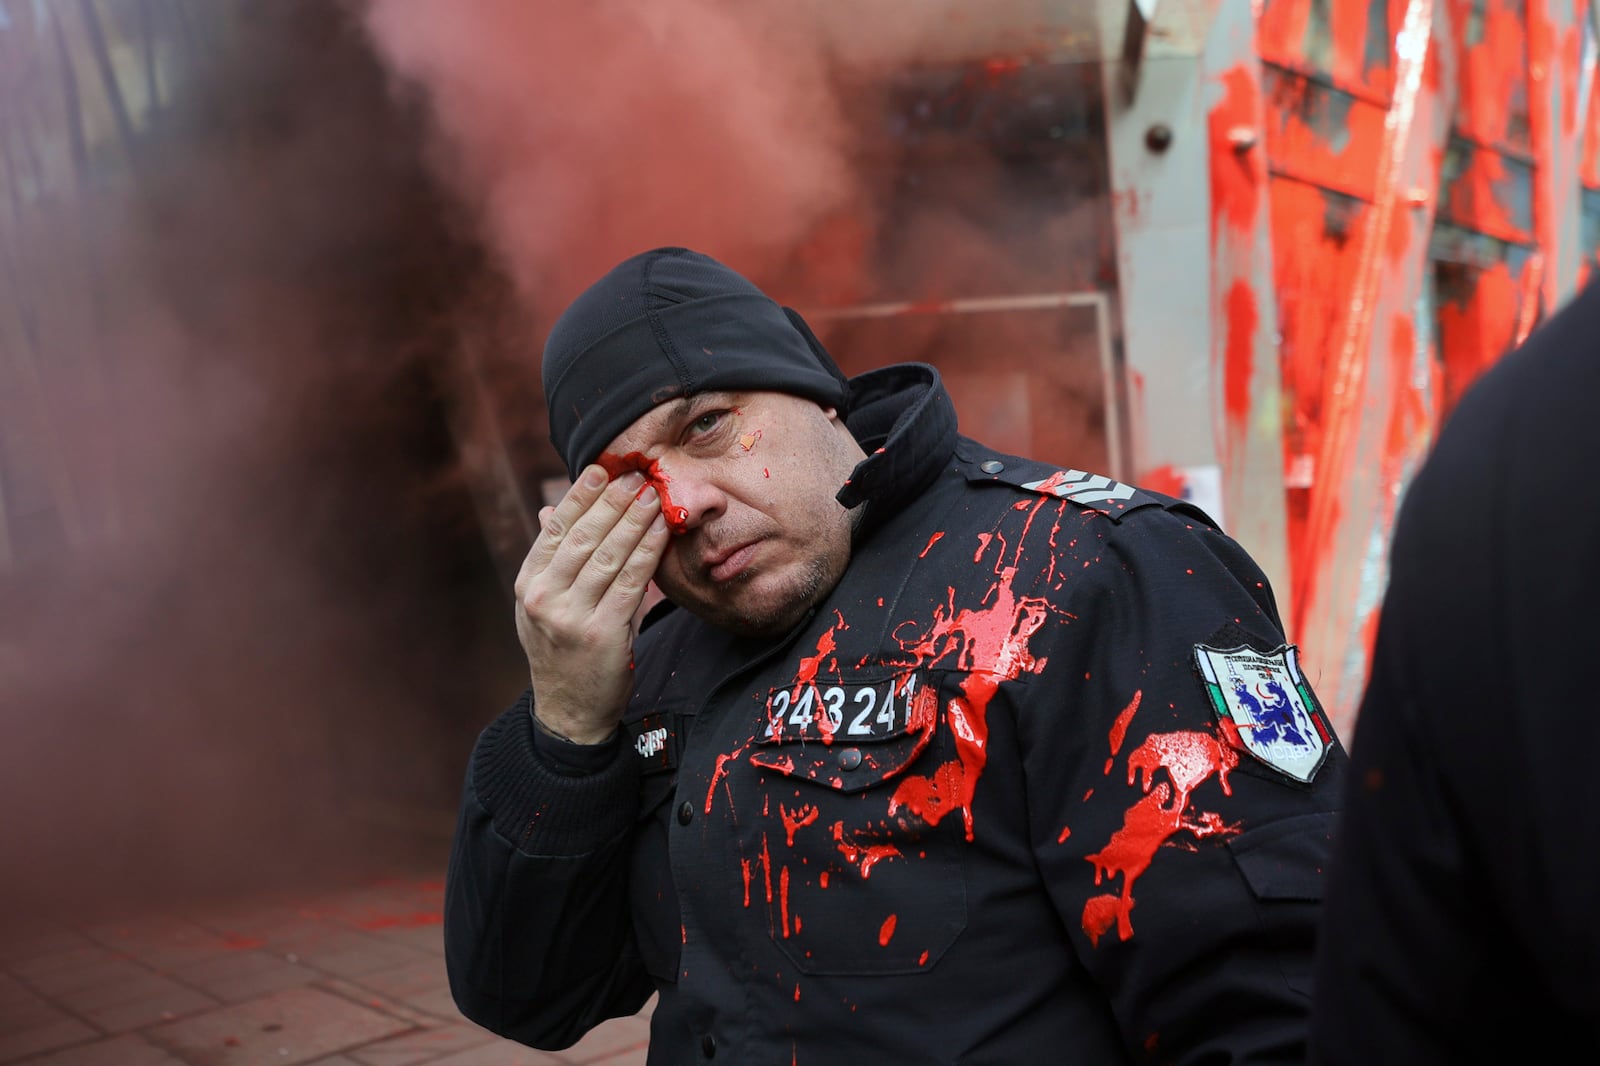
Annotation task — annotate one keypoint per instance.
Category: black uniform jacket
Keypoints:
(980, 806)
(1463, 917)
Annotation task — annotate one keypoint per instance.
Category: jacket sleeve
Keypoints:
(1187, 872)
(538, 937)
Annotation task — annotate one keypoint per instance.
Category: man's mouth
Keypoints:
(730, 563)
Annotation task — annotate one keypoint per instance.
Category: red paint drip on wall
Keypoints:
(1239, 362)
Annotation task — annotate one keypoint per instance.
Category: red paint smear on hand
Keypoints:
(615, 466)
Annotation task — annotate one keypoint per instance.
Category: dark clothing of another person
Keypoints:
(1463, 920)
(979, 806)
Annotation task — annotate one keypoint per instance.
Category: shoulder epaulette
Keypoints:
(1095, 492)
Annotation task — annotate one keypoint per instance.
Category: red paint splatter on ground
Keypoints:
(886, 931)
(617, 465)
(402, 921)
(931, 542)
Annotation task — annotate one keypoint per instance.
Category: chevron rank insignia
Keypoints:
(1266, 707)
(1093, 491)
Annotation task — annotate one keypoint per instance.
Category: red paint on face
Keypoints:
(886, 931)
(748, 440)
(931, 542)
(617, 465)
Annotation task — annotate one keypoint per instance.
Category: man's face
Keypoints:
(754, 473)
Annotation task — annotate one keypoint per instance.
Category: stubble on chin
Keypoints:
(785, 608)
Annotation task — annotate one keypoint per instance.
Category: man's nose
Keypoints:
(691, 499)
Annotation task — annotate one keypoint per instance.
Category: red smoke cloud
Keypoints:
(586, 132)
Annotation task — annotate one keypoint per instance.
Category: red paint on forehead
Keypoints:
(617, 465)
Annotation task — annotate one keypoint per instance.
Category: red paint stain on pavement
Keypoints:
(415, 920)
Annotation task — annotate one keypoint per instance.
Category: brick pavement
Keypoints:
(350, 976)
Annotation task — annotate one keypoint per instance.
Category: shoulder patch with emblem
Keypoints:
(1266, 707)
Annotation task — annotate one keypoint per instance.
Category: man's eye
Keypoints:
(706, 422)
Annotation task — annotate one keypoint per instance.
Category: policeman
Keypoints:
(932, 754)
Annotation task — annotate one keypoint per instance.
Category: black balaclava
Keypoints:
(665, 324)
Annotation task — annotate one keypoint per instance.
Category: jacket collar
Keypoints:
(904, 420)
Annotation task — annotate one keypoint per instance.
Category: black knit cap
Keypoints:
(665, 324)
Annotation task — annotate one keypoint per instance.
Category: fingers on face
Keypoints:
(599, 530)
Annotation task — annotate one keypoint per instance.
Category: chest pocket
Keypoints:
(859, 867)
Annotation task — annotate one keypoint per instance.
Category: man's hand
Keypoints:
(577, 593)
